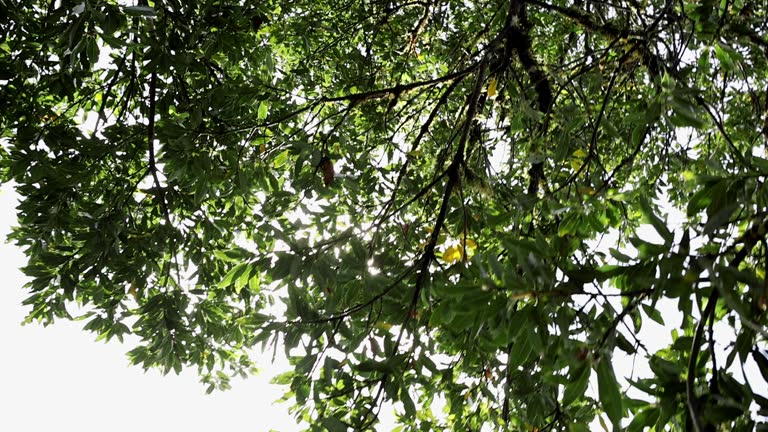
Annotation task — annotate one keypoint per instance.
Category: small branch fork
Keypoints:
(358, 307)
(151, 147)
(454, 173)
(385, 213)
(518, 39)
(155, 178)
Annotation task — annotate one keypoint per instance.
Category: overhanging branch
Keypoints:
(750, 238)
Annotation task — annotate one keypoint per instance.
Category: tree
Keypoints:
(405, 195)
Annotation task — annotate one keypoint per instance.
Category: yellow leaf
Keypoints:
(469, 243)
(691, 277)
(521, 295)
(492, 88)
(383, 325)
(452, 254)
(576, 164)
(580, 153)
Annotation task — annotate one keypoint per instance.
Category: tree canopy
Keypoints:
(408, 197)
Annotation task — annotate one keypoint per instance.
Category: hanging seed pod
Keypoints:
(326, 166)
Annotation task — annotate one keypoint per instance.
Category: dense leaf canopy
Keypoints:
(408, 197)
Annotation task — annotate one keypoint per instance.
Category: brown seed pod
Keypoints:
(581, 354)
(257, 21)
(326, 165)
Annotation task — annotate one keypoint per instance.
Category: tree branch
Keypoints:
(398, 89)
(517, 39)
(151, 146)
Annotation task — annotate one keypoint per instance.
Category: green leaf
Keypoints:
(608, 391)
(263, 111)
(762, 363)
(623, 344)
(408, 405)
(658, 224)
(685, 114)
(92, 50)
(646, 249)
(638, 135)
(236, 254)
(332, 424)
(577, 386)
(667, 371)
(243, 278)
(254, 284)
(653, 314)
(233, 274)
(720, 218)
(521, 349)
(723, 54)
(374, 366)
(644, 419)
(619, 256)
(141, 11)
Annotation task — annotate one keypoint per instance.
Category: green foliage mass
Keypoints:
(407, 196)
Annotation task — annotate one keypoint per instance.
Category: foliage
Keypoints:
(406, 195)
